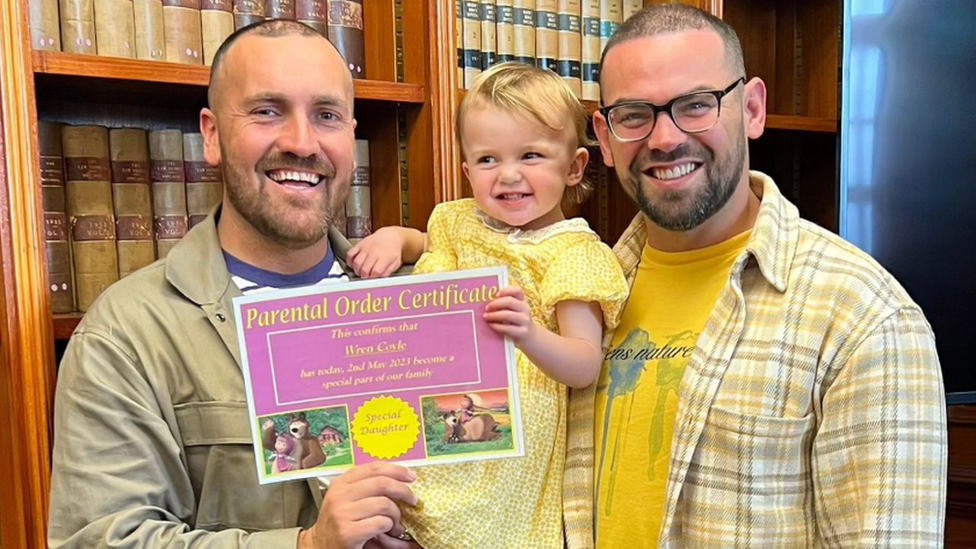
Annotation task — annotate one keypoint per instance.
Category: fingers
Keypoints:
(377, 468)
(386, 541)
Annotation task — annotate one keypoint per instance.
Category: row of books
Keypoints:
(115, 200)
(184, 31)
(564, 36)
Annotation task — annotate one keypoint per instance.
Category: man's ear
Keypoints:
(577, 167)
(754, 107)
(603, 136)
(211, 137)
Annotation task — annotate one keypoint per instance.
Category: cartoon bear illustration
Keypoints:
(308, 449)
(480, 428)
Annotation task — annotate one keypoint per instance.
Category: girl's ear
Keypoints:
(577, 167)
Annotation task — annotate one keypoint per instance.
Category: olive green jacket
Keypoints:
(152, 444)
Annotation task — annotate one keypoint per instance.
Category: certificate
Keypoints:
(400, 369)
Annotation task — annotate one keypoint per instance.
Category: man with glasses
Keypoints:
(769, 385)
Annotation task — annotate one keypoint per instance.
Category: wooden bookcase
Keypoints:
(406, 114)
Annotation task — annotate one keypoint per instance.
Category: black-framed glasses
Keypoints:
(691, 113)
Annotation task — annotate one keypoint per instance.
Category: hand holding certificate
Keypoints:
(402, 369)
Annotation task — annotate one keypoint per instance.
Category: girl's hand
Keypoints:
(509, 315)
(378, 255)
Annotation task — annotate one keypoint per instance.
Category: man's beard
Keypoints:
(272, 218)
(685, 210)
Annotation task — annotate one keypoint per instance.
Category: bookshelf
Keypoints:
(405, 110)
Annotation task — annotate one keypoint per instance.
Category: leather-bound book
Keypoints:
(471, 40)
(60, 282)
(590, 51)
(568, 62)
(346, 32)
(129, 152)
(217, 22)
(248, 12)
(204, 184)
(115, 28)
(524, 11)
(489, 36)
(546, 34)
(358, 210)
(611, 16)
(150, 42)
(89, 191)
(314, 13)
(168, 189)
(631, 7)
(504, 31)
(78, 26)
(279, 9)
(182, 32)
(45, 27)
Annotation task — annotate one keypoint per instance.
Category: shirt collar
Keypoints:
(773, 241)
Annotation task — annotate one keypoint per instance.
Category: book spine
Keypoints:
(182, 32)
(45, 28)
(546, 34)
(168, 189)
(314, 13)
(358, 209)
(631, 7)
(505, 30)
(489, 37)
(115, 28)
(89, 193)
(280, 9)
(523, 13)
(459, 40)
(346, 33)
(590, 50)
(610, 18)
(78, 26)
(216, 23)
(129, 153)
(204, 184)
(248, 12)
(568, 62)
(60, 282)
(150, 43)
(471, 40)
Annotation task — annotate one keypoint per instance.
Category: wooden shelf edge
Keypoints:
(96, 66)
(801, 123)
(65, 324)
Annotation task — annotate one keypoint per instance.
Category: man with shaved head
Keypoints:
(152, 435)
(768, 385)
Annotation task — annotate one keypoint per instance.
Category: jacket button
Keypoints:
(221, 317)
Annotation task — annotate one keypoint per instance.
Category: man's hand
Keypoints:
(378, 255)
(509, 315)
(360, 509)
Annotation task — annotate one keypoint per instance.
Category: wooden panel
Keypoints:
(961, 489)
(803, 123)
(26, 351)
(819, 28)
(104, 75)
(379, 125)
(380, 38)
(65, 324)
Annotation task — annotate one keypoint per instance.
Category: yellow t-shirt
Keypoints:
(637, 395)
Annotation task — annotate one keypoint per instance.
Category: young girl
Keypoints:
(522, 133)
(282, 456)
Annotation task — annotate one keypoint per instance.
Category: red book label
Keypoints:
(201, 172)
(166, 171)
(52, 170)
(133, 227)
(130, 172)
(360, 177)
(219, 5)
(344, 13)
(312, 10)
(92, 227)
(55, 226)
(191, 4)
(170, 226)
(85, 168)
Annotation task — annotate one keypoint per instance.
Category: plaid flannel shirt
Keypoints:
(811, 413)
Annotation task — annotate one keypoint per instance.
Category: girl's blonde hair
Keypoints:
(539, 94)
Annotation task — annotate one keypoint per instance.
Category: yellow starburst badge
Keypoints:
(385, 427)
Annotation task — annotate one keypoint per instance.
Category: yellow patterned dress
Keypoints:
(513, 503)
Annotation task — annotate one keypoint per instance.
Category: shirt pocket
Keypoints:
(753, 471)
(222, 468)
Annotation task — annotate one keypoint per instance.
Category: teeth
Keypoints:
(290, 176)
(512, 196)
(673, 173)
